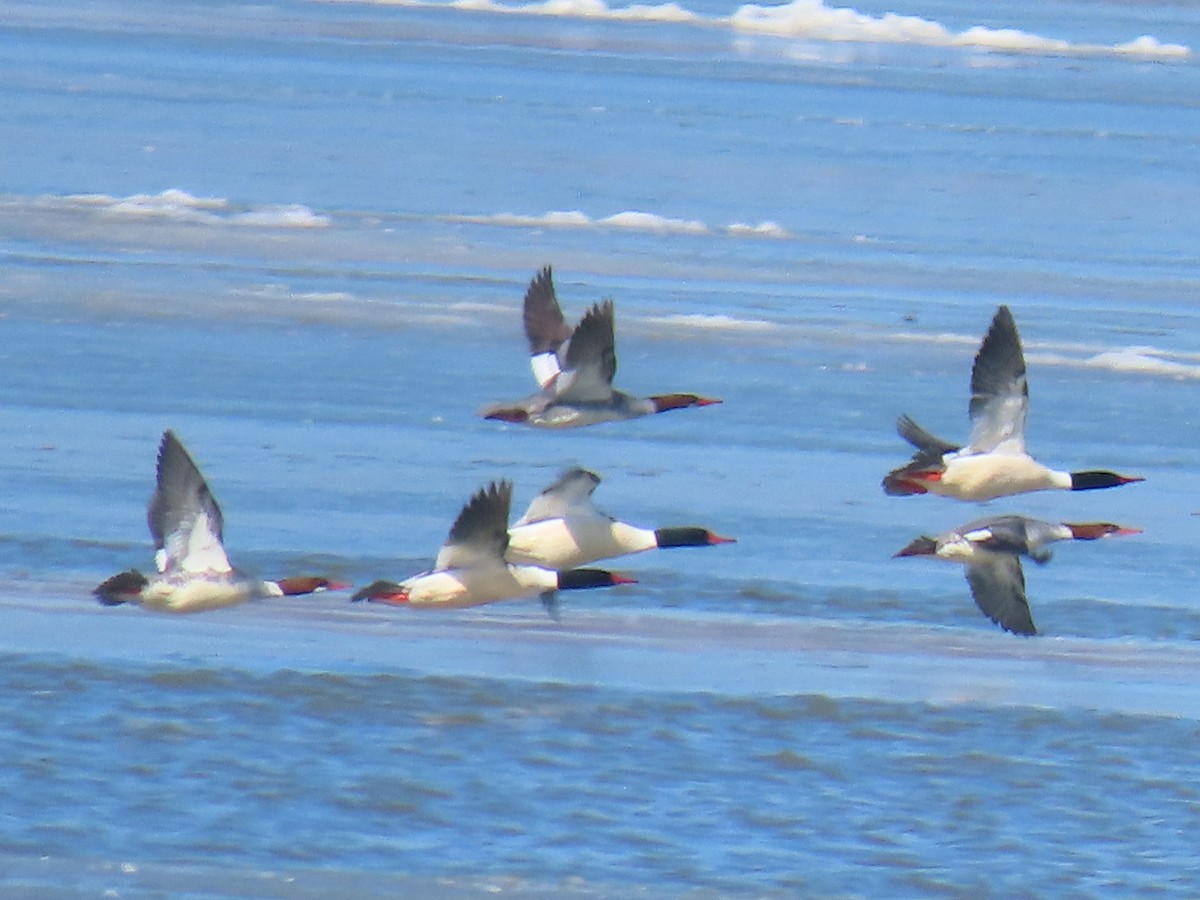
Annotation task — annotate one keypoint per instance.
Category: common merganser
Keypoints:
(994, 463)
(470, 569)
(194, 574)
(575, 369)
(562, 528)
(992, 548)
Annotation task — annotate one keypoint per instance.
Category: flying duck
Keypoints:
(470, 569)
(194, 573)
(575, 369)
(994, 463)
(563, 528)
(992, 548)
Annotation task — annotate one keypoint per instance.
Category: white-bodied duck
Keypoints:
(563, 528)
(992, 548)
(575, 369)
(194, 574)
(470, 569)
(994, 463)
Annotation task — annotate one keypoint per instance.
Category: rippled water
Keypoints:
(561, 785)
(298, 235)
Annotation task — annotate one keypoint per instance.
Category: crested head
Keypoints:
(581, 579)
(901, 484)
(1090, 531)
(382, 592)
(1092, 480)
(124, 587)
(689, 537)
(518, 415)
(307, 584)
(665, 402)
(922, 546)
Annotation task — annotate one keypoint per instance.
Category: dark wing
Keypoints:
(480, 533)
(184, 518)
(572, 488)
(925, 443)
(545, 326)
(591, 358)
(998, 587)
(999, 389)
(928, 458)
(1014, 534)
(999, 534)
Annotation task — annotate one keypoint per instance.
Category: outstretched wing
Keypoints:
(926, 444)
(999, 389)
(998, 586)
(998, 534)
(545, 327)
(573, 488)
(480, 533)
(590, 360)
(184, 518)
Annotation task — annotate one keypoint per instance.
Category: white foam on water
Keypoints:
(714, 322)
(814, 20)
(278, 292)
(586, 9)
(180, 206)
(629, 220)
(762, 229)
(641, 221)
(292, 215)
(1129, 360)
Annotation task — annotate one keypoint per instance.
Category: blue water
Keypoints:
(299, 233)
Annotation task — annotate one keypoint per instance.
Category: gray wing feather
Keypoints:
(930, 454)
(999, 389)
(545, 326)
(1017, 534)
(1004, 534)
(572, 487)
(999, 590)
(591, 358)
(481, 529)
(184, 518)
(926, 443)
(181, 493)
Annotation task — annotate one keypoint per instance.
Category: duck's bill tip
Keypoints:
(1127, 531)
(708, 401)
(720, 539)
(622, 579)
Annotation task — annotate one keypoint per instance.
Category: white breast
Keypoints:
(986, 476)
(195, 595)
(460, 588)
(575, 541)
